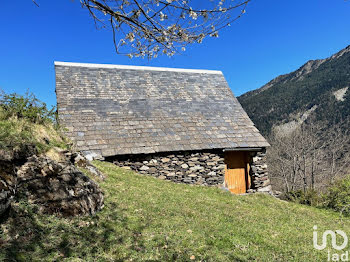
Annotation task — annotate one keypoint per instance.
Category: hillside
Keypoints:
(319, 87)
(147, 219)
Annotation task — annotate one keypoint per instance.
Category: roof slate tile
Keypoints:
(124, 111)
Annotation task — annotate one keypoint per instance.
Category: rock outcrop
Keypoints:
(9, 160)
(8, 183)
(57, 187)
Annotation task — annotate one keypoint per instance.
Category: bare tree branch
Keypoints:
(147, 28)
(310, 157)
(35, 3)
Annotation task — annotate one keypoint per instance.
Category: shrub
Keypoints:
(25, 120)
(25, 107)
(338, 196)
(14, 134)
(309, 197)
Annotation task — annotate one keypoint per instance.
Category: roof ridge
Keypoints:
(130, 67)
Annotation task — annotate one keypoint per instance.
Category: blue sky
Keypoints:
(274, 37)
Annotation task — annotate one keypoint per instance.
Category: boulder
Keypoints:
(92, 156)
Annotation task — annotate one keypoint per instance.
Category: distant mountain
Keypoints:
(319, 87)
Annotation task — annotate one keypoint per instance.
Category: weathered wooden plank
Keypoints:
(236, 173)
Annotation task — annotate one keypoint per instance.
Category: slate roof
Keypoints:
(113, 110)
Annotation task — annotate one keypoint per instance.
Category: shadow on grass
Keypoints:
(109, 235)
(30, 236)
(22, 233)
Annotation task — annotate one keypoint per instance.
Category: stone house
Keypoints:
(182, 125)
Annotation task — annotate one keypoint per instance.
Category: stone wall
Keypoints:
(201, 168)
(259, 174)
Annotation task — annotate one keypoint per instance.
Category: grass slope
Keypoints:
(17, 133)
(146, 219)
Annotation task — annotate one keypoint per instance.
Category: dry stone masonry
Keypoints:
(259, 174)
(201, 168)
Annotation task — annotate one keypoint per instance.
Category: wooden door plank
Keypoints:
(236, 172)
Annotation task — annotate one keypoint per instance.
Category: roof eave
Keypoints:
(140, 68)
(249, 149)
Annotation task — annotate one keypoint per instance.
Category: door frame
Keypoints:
(246, 158)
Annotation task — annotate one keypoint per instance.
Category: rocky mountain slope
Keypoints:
(318, 88)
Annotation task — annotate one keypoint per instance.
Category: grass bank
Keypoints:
(147, 219)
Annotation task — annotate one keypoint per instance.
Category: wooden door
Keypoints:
(236, 173)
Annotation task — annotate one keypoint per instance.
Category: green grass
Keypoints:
(146, 219)
(17, 133)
